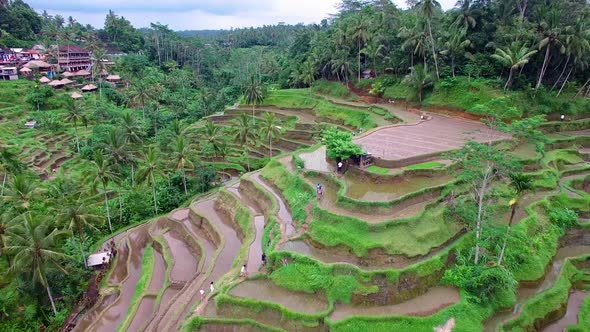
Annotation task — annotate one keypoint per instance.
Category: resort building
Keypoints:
(73, 58)
(8, 73)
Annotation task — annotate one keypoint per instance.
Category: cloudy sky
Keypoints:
(198, 14)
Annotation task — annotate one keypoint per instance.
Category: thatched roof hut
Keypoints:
(25, 70)
(89, 87)
(113, 78)
(68, 74)
(56, 84)
(66, 81)
(36, 64)
(44, 79)
(76, 95)
(82, 73)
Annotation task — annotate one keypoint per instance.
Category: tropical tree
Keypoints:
(308, 73)
(254, 94)
(243, 129)
(269, 130)
(418, 80)
(20, 192)
(98, 67)
(213, 135)
(149, 169)
(102, 174)
(467, 15)
(373, 51)
(132, 133)
(427, 9)
(9, 164)
(513, 57)
(577, 45)
(73, 210)
(550, 29)
(35, 249)
(414, 40)
(455, 46)
(141, 93)
(341, 65)
(75, 114)
(520, 183)
(7, 223)
(181, 154)
(360, 31)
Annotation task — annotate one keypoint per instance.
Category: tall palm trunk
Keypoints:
(567, 60)
(3, 184)
(507, 233)
(481, 194)
(184, 181)
(132, 175)
(270, 146)
(51, 300)
(253, 117)
(77, 138)
(544, 66)
(359, 58)
(433, 52)
(106, 204)
(564, 82)
(120, 206)
(82, 246)
(509, 81)
(155, 199)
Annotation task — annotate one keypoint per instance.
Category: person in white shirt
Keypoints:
(211, 287)
(243, 271)
(202, 291)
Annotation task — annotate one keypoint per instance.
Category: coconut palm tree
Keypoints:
(466, 17)
(419, 79)
(341, 65)
(373, 51)
(75, 114)
(414, 40)
(455, 46)
(308, 73)
(98, 67)
(20, 192)
(73, 209)
(360, 31)
(7, 224)
(243, 129)
(254, 94)
(140, 94)
(269, 130)
(35, 248)
(9, 164)
(149, 170)
(577, 45)
(427, 9)
(180, 156)
(213, 135)
(520, 183)
(102, 174)
(513, 57)
(550, 28)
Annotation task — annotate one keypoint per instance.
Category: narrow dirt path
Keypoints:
(283, 214)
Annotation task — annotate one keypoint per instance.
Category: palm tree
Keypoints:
(419, 79)
(149, 170)
(341, 65)
(213, 135)
(254, 94)
(577, 45)
(36, 249)
(98, 67)
(427, 8)
(513, 57)
(269, 130)
(520, 183)
(373, 51)
(141, 94)
(243, 129)
(73, 210)
(102, 174)
(550, 27)
(415, 40)
(308, 73)
(121, 154)
(7, 224)
(181, 154)
(9, 164)
(466, 18)
(455, 46)
(75, 114)
(132, 134)
(20, 192)
(360, 31)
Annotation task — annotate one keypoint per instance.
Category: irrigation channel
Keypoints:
(204, 244)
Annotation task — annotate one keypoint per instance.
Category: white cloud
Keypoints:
(189, 15)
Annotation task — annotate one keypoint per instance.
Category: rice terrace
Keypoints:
(383, 166)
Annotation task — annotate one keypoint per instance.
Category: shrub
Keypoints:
(563, 217)
(339, 144)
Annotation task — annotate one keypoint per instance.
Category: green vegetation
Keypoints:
(427, 165)
(331, 88)
(377, 169)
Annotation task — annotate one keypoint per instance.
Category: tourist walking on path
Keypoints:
(243, 271)
(202, 292)
(211, 287)
(340, 167)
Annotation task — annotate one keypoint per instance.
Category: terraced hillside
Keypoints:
(43, 150)
(369, 255)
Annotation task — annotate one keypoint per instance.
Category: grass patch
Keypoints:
(332, 88)
(427, 165)
(377, 169)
